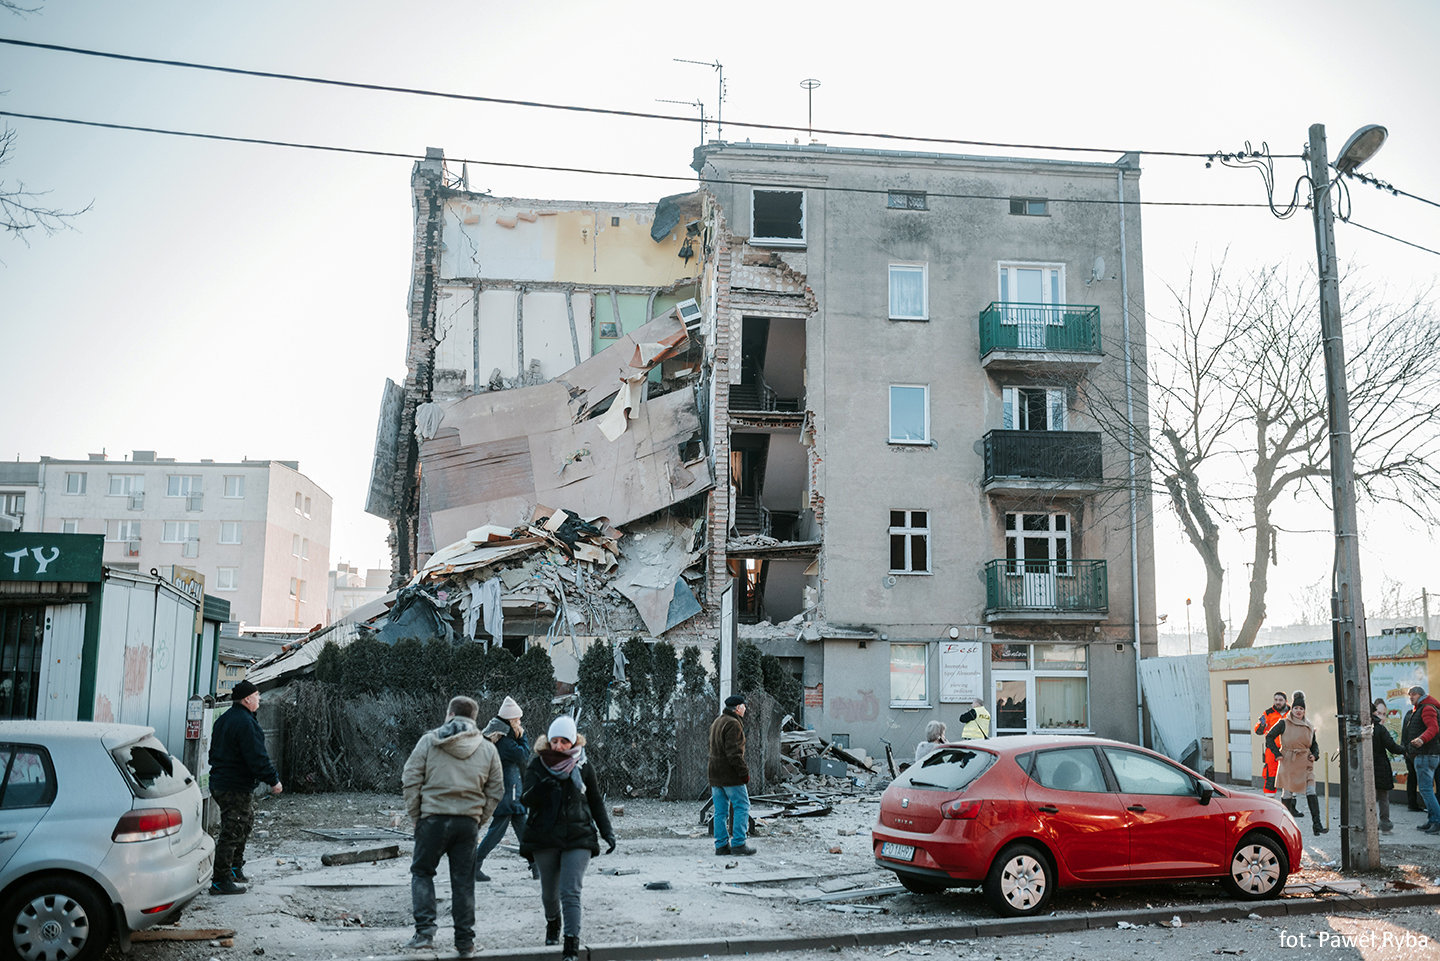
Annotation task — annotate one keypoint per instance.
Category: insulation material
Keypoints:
(651, 561)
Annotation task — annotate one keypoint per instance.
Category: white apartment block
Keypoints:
(352, 588)
(258, 530)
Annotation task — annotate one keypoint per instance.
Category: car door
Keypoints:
(1080, 817)
(27, 788)
(1172, 833)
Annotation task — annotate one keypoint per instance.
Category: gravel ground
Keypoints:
(298, 908)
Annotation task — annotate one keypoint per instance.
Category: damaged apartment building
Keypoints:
(846, 397)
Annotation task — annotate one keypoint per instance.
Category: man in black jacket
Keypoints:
(729, 776)
(237, 763)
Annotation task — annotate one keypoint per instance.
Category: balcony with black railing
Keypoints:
(1019, 461)
(1040, 589)
(1012, 334)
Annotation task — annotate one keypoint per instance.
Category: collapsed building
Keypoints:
(836, 401)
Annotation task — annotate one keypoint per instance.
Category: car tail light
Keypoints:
(145, 824)
(960, 809)
(157, 908)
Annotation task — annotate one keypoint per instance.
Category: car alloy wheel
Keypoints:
(1020, 881)
(1258, 868)
(56, 918)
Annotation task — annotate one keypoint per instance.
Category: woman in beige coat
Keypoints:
(1293, 740)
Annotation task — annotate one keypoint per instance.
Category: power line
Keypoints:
(401, 155)
(1398, 240)
(577, 108)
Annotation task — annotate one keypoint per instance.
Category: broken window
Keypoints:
(908, 686)
(906, 200)
(1029, 207)
(909, 414)
(909, 294)
(909, 542)
(777, 216)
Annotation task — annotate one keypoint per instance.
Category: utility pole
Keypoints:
(1359, 838)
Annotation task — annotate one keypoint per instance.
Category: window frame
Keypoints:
(221, 578)
(236, 527)
(906, 197)
(1024, 204)
(925, 440)
(188, 486)
(84, 478)
(758, 240)
(910, 532)
(70, 525)
(924, 661)
(189, 528)
(1016, 536)
(239, 486)
(1013, 413)
(131, 484)
(905, 268)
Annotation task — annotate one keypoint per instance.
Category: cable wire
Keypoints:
(1399, 240)
(400, 155)
(575, 108)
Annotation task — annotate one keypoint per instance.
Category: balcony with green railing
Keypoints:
(1045, 589)
(1058, 333)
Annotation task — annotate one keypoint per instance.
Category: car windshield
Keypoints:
(150, 769)
(947, 768)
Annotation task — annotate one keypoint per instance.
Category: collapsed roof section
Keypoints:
(595, 439)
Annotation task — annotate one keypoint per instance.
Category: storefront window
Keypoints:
(1060, 702)
(1061, 657)
(1040, 687)
(907, 675)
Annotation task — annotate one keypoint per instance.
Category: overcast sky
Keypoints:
(225, 300)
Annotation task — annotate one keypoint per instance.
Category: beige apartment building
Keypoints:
(257, 530)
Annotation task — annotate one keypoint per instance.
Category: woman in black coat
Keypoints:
(565, 820)
(1384, 745)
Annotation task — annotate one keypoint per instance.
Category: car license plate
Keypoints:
(900, 852)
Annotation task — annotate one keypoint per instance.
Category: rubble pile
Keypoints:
(813, 764)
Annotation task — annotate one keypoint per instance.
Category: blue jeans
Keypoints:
(454, 837)
(1425, 765)
(496, 833)
(732, 804)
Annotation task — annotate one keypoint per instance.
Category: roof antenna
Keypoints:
(810, 84)
(719, 97)
(691, 103)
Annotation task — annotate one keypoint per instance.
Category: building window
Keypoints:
(182, 485)
(122, 484)
(294, 545)
(1037, 543)
(75, 483)
(230, 532)
(12, 504)
(297, 588)
(1029, 207)
(299, 502)
(227, 579)
(909, 293)
(909, 542)
(307, 507)
(180, 532)
(234, 485)
(908, 663)
(777, 216)
(71, 525)
(122, 530)
(906, 200)
(909, 414)
(1041, 687)
(305, 548)
(1034, 408)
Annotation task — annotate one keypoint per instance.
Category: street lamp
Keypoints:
(1359, 840)
(1189, 638)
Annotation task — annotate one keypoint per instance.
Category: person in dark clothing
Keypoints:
(564, 821)
(508, 735)
(1408, 731)
(237, 763)
(1384, 745)
(1426, 745)
(729, 775)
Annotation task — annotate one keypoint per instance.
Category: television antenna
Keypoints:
(691, 103)
(720, 93)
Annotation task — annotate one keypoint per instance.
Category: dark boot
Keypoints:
(1289, 803)
(552, 930)
(572, 948)
(1315, 814)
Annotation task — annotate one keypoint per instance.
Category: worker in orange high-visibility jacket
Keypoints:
(1277, 711)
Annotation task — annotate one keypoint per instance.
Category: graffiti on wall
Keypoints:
(862, 707)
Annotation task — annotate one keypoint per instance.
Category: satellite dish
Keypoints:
(1098, 273)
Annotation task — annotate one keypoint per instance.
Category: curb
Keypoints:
(988, 928)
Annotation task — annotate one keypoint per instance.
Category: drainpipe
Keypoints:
(1130, 421)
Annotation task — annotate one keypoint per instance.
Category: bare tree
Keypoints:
(1238, 420)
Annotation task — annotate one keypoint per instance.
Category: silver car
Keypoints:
(100, 835)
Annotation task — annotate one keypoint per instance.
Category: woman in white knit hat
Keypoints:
(508, 735)
(565, 819)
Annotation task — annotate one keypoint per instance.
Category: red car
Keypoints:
(1025, 815)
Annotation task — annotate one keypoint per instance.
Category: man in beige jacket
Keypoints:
(453, 782)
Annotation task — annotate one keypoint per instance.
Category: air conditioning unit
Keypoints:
(137, 501)
(689, 312)
(195, 502)
(132, 548)
(191, 548)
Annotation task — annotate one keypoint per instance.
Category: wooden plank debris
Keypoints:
(183, 934)
(356, 857)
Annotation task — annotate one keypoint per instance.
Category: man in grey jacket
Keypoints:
(453, 782)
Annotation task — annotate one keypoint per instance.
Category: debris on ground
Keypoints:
(357, 857)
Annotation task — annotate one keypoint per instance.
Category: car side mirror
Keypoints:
(1206, 792)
